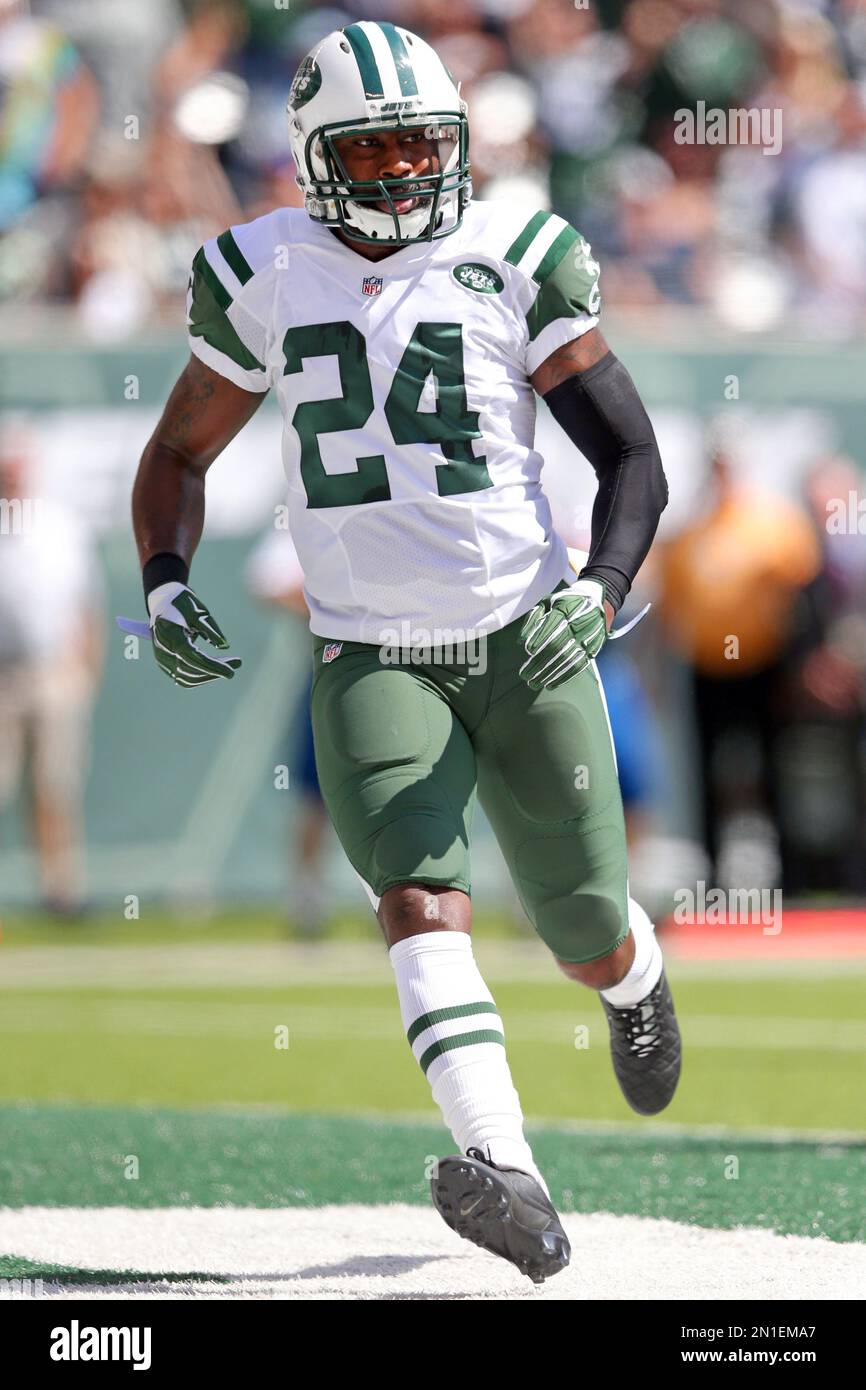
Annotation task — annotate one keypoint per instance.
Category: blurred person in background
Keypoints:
(49, 107)
(824, 763)
(731, 585)
(274, 576)
(50, 666)
(576, 113)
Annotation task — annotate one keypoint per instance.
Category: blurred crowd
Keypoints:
(130, 132)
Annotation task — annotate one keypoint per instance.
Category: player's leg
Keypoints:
(397, 773)
(547, 780)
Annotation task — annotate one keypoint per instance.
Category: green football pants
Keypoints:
(402, 750)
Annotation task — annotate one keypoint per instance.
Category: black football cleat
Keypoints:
(646, 1050)
(504, 1210)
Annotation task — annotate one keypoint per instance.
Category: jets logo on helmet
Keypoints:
(367, 78)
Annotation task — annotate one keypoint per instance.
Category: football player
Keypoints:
(405, 330)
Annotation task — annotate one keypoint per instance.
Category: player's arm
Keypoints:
(203, 414)
(593, 398)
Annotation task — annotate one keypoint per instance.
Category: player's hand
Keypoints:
(563, 634)
(177, 618)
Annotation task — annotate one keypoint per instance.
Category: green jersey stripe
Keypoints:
(443, 1015)
(554, 254)
(366, 60)
(204, 271)
(518, 248)
(408, 85)
(483, 1035)
(570, 286)
(208, 318)
(234, 257)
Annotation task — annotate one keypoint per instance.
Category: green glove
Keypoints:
(563, 633)
(177, 617)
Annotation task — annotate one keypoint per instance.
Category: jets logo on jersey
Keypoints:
(479, 278)
(331, 652)
(371, 284)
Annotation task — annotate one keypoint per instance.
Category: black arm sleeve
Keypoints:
(602, 413)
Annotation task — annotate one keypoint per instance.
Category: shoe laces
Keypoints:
(641, 1026)
(481, 1156)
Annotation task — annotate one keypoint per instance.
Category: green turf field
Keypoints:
(178, 1014)
(164, 1042)
(207, 1159)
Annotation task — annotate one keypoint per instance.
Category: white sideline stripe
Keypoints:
(713, 1031)
(399, 1251)
(207, 964)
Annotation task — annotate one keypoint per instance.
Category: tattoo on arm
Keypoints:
(186, 405)
(575, 356)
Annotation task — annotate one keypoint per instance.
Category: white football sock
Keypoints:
(457, 1037)
(646, 967)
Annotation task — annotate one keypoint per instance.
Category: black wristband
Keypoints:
(615, 584)
(164, 568)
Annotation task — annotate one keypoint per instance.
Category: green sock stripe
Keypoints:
(443, 1016)
(233, 256)
(483, 1035)
(551, 258)
(366, 60)
(517, 248)
(400, 53)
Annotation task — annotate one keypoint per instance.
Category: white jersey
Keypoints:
(414, 485)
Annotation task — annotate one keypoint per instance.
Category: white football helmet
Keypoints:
(371, 77)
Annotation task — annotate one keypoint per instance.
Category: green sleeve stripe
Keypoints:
(233, 257)
(567, 290)
(366, 60)
(554, 254)
(208, 317)
(408, 85)
(484, 1035)
(204, 271)
(518, 248)
(443, 1015)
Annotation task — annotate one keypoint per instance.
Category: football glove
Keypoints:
(177, 618)
(563, 633)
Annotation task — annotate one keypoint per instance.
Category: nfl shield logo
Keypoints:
(371, 284)
(332, 651)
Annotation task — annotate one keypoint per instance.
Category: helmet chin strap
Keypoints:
(410, 223)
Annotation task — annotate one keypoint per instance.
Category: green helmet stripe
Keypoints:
(365, 58)
(408, 85)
